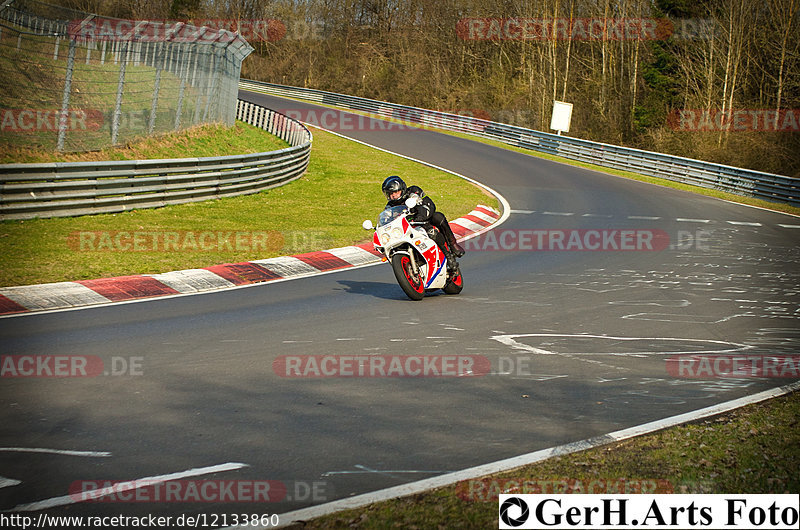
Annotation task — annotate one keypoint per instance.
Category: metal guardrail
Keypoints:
(62, 189)
(735, 180)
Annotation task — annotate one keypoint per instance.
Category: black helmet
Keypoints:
(393, 184)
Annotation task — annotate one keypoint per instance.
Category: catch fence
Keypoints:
(75, 81)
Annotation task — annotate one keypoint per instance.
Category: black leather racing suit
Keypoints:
(425, 212)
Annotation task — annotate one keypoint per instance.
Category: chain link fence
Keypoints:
(74, 81)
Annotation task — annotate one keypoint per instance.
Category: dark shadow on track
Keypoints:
(386, 291)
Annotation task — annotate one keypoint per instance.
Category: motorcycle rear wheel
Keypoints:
(412, 284)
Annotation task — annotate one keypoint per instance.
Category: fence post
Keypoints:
(195, 52)
(181, 89)
(158, 59)
(62, 118)
(120, 88)
(212, 78)
(198, 84)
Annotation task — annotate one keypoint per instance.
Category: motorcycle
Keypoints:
(417, 261)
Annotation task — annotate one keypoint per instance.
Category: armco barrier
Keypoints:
(686, 170)
(61, 189)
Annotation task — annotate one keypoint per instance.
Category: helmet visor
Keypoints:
(394, 189)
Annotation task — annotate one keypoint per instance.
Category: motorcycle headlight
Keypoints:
(396, 232)
(384, 238)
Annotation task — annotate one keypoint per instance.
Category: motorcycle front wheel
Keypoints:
(412, 284)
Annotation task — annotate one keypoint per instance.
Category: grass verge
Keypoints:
(323, 209)
(198, 141)
(754, 449)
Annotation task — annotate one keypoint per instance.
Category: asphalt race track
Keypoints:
(571, 335)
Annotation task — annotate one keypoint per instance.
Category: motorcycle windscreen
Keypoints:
(390, 214)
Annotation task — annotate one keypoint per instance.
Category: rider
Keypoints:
(397, 192)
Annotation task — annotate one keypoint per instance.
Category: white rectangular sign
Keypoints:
(562, 116)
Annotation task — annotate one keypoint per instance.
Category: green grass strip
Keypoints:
(323, 209)
(199, 141)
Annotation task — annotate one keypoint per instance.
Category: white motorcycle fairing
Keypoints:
(418, 262)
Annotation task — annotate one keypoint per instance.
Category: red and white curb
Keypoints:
(82, 293)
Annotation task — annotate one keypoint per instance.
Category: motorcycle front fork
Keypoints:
(414, 266)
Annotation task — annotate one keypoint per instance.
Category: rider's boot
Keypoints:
(457, 249)
(452, 264)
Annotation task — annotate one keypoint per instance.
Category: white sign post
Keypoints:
(562, 115)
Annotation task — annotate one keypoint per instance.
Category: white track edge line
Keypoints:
(127, 485)
(449, 479)
(63, 452)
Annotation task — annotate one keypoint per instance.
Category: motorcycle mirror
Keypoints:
(367, 224)
(412, 201)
